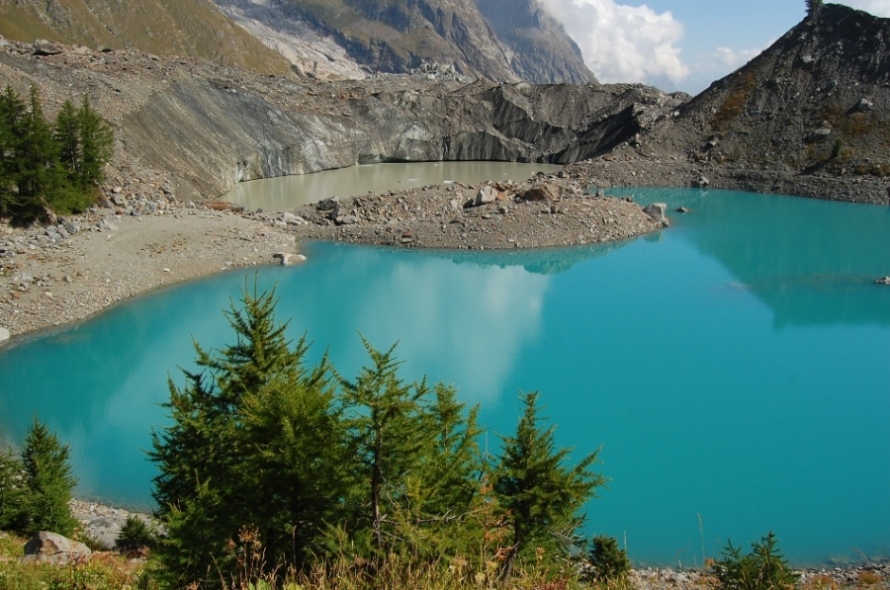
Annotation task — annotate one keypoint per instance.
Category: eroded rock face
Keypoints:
(222, 133)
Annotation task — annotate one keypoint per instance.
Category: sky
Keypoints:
(680, 44)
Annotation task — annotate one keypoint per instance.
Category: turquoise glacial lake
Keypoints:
(735, 368)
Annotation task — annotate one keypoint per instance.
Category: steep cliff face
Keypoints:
(539, 48)
(221, 135)
(818, 99)
(494, 39)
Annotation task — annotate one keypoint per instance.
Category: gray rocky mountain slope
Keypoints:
(501, 40)
(815, 102)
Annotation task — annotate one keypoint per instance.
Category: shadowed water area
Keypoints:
(735, 368)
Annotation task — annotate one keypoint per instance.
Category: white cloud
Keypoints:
(876, 7)
(731, 59)
(623, 43)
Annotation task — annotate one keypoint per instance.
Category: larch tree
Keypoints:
(48, 481)
(250, 432)
(540, 494)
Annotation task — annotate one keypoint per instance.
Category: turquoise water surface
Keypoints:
(735, 368)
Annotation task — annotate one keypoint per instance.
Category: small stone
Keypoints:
(4, 334)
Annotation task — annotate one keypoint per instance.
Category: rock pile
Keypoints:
(545, 211)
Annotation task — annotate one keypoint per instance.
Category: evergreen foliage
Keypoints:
(608, 562)
(48, 483)
(541, 495)
(254, 442)
(135, 532)
(314, 469)
(764, 568)
(12, 493)
(418, 462)
(813, 7)
(47, 166)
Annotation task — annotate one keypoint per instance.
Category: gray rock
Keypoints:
(346, 220)
(329, 204)
(288, 259)
(656, 211)
(4, 334)
(865, 105)
(45, 47)
(820, 134)
(883, 281)
(701, 182)
(103, 532)
(46, 547)
(291, 219)
(487, 194)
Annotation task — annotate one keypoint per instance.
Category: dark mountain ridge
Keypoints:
(817, 100)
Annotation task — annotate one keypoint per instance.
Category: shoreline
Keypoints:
(102, 523)
(138, 240)
(69, 271)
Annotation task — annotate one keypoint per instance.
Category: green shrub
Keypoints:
(135, 532)
(764, 568)
(608, 562)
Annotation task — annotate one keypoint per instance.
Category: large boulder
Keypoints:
(657, 212)
(487, 194)
(46, 547)
(46, 47)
